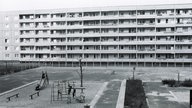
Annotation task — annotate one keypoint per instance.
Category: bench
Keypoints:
(36, 93)
(15, 95)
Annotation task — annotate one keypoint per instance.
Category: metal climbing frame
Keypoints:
(59, 91)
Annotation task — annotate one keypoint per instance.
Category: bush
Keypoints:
(187, 83)
(169, 82)
(135, 95)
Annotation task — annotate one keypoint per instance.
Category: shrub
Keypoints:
(134, 94)
(187, 83)
(169, 82)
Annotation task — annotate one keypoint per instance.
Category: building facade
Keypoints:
(9, 36)
(158, 35)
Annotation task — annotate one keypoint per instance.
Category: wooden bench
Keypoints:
(36, 93)
(15, 95)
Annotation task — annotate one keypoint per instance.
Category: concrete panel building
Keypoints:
(9, 36)
(149, 35)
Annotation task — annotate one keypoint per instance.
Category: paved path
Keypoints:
(110, 95)
(159, 96)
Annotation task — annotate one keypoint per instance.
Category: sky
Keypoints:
(14, 5)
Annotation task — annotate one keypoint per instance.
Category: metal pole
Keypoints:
(6, 68)
(133, 73)
(190, 98)
(81, 73)
(178, 77)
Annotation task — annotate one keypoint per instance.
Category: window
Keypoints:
(189, 47)
(6, 18)
(122, 47)
(6, 48)
(17, 40)
(166, 20)
(6, 55)
(16, 55)
(158, 21)
(17, 48)
(6, 40)
(6, 25)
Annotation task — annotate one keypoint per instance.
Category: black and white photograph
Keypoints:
(95, 53)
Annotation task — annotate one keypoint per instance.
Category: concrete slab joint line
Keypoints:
(121, 97)
(98, 95)
(20, 87)
(173, 95)
(147, 100)
(148, 103)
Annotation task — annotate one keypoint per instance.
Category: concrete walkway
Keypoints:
(110, 95)
(159, 96)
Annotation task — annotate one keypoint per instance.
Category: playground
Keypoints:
(101, 87)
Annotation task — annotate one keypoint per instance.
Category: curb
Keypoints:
(121, 97)
(98, 95)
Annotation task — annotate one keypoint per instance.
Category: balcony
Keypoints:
(42, 18)
(186, 32)
(183, 51)
(161, 33)
(30, 19)
(127, 25)
(184, 15)
(146, 25)
(127, 14)
(181, 24)
(58, 27)
(165, 25)
(42, 27)
(170, 15)
(146, 33)
(77, 26)
(146, 16)
(163, 51)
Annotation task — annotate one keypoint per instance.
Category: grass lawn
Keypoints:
(135, 95)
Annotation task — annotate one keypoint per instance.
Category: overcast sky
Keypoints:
(7, 5)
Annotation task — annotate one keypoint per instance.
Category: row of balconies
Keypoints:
(108, 56)
(107, 14)
(134, 24)
(148, 51)
(109, 33)
(115, 54)
(128, 42)
(99, 60)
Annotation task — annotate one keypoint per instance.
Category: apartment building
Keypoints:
(149, 35)
(9, 36)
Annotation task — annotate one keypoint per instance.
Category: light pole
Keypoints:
(178, 77)
(81, 73)
(133, 73)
